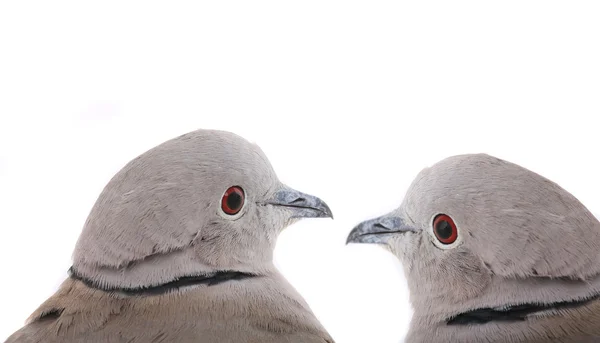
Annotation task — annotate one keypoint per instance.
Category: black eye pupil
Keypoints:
(443, 229)
(234, 200)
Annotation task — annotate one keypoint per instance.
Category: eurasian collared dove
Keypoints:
(493, 252)
(179, 248)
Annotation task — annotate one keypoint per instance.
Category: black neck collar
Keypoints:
(513, 313)
(174, 285)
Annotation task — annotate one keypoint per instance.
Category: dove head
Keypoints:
(475, 232)
(203, 202)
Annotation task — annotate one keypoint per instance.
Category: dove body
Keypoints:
(179, 248)
(493, 252)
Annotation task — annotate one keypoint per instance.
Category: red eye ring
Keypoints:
(444, 229)
(233, 200)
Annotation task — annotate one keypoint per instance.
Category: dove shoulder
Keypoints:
(262, 309)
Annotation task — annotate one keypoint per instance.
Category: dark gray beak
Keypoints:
(378, 230)
(302, 205)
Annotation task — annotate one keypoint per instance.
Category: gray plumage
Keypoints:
(160, 220)
(523, 267)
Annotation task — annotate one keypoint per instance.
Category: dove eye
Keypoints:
(444, 229)
(233, 200)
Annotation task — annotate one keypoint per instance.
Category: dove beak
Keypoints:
(300, 204)
(378, 230)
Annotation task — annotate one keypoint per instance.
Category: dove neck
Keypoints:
(212, 279)
(165, 269)
(578, 320)
(516, 313)
(508, 301)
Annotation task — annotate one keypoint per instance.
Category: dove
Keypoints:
(179, 248)
(493, 252)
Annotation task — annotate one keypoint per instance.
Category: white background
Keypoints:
(349, 99)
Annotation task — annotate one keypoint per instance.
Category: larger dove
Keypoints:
(179, 248)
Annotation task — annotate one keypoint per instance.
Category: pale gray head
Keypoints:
(476, 232)
(203, 202)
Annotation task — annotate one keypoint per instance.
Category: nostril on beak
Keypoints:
(381, 226)
(297, 201)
